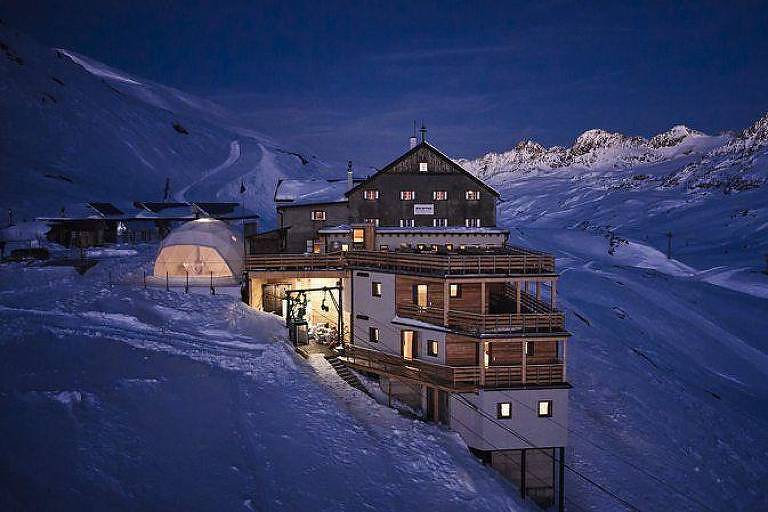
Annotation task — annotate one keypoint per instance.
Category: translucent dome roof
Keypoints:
(202, 248)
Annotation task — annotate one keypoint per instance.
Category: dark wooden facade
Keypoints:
(442, 175)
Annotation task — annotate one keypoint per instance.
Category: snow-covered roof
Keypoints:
(447, 230)
(305, 191)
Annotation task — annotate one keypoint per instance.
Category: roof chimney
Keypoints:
(349, 175)
(412, 140)
(423, 131)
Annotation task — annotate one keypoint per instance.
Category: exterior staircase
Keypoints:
(346, 374)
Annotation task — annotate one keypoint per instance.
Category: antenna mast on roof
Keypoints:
(412, 140)
(423, 131)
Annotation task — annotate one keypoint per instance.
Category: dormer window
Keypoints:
(407, 195)
(423, 167)
(472, 195)
(371, 195)
(318, 214)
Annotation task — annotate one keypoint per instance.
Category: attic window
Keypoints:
(318, 214)
(371, 195)
(423, 167)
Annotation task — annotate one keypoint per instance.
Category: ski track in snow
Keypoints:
(232, 158)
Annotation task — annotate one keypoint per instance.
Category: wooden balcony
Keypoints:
(454, 378)
(499, 261)
(486, 323)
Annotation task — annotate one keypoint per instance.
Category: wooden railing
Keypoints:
(500, 261)
(485, 323)
(294, 261)
(453, 377)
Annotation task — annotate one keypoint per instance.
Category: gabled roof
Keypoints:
(307, 191)
(157, 207)
(106, 209)
(433, 149)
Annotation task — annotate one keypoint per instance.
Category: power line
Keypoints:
(604, 489)
(631, 464)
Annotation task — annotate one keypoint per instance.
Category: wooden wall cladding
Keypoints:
(461, 350)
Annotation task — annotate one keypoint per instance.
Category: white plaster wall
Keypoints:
(480, 432)
(380, 312)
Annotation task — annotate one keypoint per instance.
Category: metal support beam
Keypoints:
(522, 474)
(561, 491)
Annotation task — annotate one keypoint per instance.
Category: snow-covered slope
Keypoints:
(708, 191)
(73, 129)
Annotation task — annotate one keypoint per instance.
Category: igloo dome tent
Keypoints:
(202, 248)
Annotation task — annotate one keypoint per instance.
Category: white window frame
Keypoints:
(375, 222)
(472, 223)
(407, 223)
(504, 410)
(547, 409)
(437, 193)
(440, 222)
(407, 195)
(472, 195)
(371, 194)
(423, 167)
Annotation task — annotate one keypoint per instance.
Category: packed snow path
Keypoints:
(232, 157)
(119, 398)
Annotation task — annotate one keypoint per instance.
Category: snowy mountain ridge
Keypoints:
(75, 130)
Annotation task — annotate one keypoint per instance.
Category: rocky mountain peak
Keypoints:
(758, 131)
(594, 139)
(673, 136)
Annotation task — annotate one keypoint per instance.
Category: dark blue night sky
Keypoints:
(347, 79)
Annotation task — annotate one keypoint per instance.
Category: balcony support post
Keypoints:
(518, 296)
(482, 350)
(446, 302)
(525, 361)
(538, 290)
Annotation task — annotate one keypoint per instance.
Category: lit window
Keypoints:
(448, 247)
(371, 195)
(407, 223)
(504, 410)
(529, 348)
(376, 289)
(462, 247)
(454, 291)
(472, 223)
(420, 295)
(440, 195)
(373, 334)
(358, 235)
(423, 167)
(409, 344)
(375, 222)
(407, 195)
(440, 223)
(383, 247)
(472, 195)
(345, 247)
(318, 214)
(545, 408)
(433, 348)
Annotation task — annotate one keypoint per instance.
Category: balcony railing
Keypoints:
(456, 378)
(503, 261)
(485, 323)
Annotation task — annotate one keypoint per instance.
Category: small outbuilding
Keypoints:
(202, 248)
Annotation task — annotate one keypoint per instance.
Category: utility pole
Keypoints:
(669, 245)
